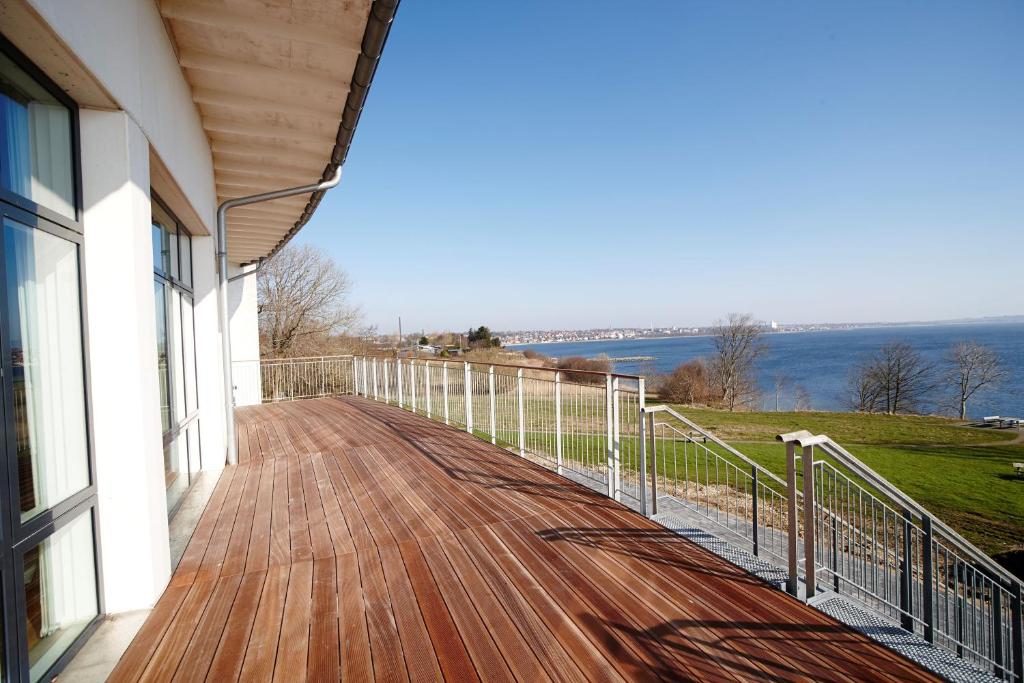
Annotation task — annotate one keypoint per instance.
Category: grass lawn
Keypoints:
(963, 475)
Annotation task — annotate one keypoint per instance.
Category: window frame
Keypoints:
(179, 424)
(15, 536)
(72, 223)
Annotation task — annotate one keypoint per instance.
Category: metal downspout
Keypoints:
(222, 294)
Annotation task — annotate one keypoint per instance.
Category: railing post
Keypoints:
(835, 552)
(468, 386)
(366, 380)
(558, 420)
(617, 438)
(522, 412)
(444, 388)
(426, 385)
(756, 537)
(929, 580)
(792, 584)
(323, 376)
(997, 626)
(1016, 637)
(809, 563)
(376, 387)
(387, 382)
(412, 384)
(494, 410)
(642, 449)
(355, 376)
(653, 454)
(906, 599)
(610, 455)
(398, 378)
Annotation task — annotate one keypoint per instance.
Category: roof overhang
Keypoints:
(279, 88)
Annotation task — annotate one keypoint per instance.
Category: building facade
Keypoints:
(123, 125)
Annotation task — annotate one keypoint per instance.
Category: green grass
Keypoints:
(963, 475)
(843, 427)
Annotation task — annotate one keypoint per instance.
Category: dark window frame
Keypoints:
(17, 537)
(179, 424)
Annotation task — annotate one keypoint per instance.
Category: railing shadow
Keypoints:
(648, 545)
(464, 451)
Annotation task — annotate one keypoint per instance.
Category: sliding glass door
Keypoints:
(175, 352)
(48, 574)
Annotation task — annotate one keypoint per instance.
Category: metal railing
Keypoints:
(694, 468)
(585, 425)
(831, 521)
(287, 379)
(865, 538)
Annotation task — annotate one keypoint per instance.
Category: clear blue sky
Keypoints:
(556, 165)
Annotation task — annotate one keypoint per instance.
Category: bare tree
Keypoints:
(896, 379)
(801, 399)
(865, 391)
(970, 368)
(302, 302)
(738, 345)
(780, 381)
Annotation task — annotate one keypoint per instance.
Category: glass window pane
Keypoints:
(176, 471)
(46, 358)
(60, 592)
(186, 258)
(162, 357)
(158, 249)
(177, 357)
(35, 141)
(163, 226)
(188, 340)
(195, 461)
(172, 253)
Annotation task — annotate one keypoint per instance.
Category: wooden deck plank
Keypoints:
(262, 647)
(293, 643)
(195, 663)
(324, 662)
(230, 655)
(362, 542)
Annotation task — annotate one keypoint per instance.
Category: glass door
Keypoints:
(49, 586)
(52, 594)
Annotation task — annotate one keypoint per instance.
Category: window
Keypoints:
(45, 339)
(48, 590)
(60, 592)
(175, 335)
(35, 141)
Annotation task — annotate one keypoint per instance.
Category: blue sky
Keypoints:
(557, 165)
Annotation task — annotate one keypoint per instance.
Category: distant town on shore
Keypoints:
(515, 337)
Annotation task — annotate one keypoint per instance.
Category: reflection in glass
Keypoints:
(60, 593)
(46, 358)
(186, 258)
(35, 141)
(176, 473)
(163, 367)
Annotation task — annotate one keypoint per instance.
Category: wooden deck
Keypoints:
(358, 541)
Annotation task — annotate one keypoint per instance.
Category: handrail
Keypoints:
(708, 435)
(879, 482)
(538, 368)
(288, 359)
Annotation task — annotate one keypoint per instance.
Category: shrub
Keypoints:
(579, 369)
(691, 383)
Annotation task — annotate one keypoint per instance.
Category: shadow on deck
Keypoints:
(357, 541)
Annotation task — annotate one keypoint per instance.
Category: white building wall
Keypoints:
(245, 341)
(125, 45)
(208, 354)
(121, 334)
